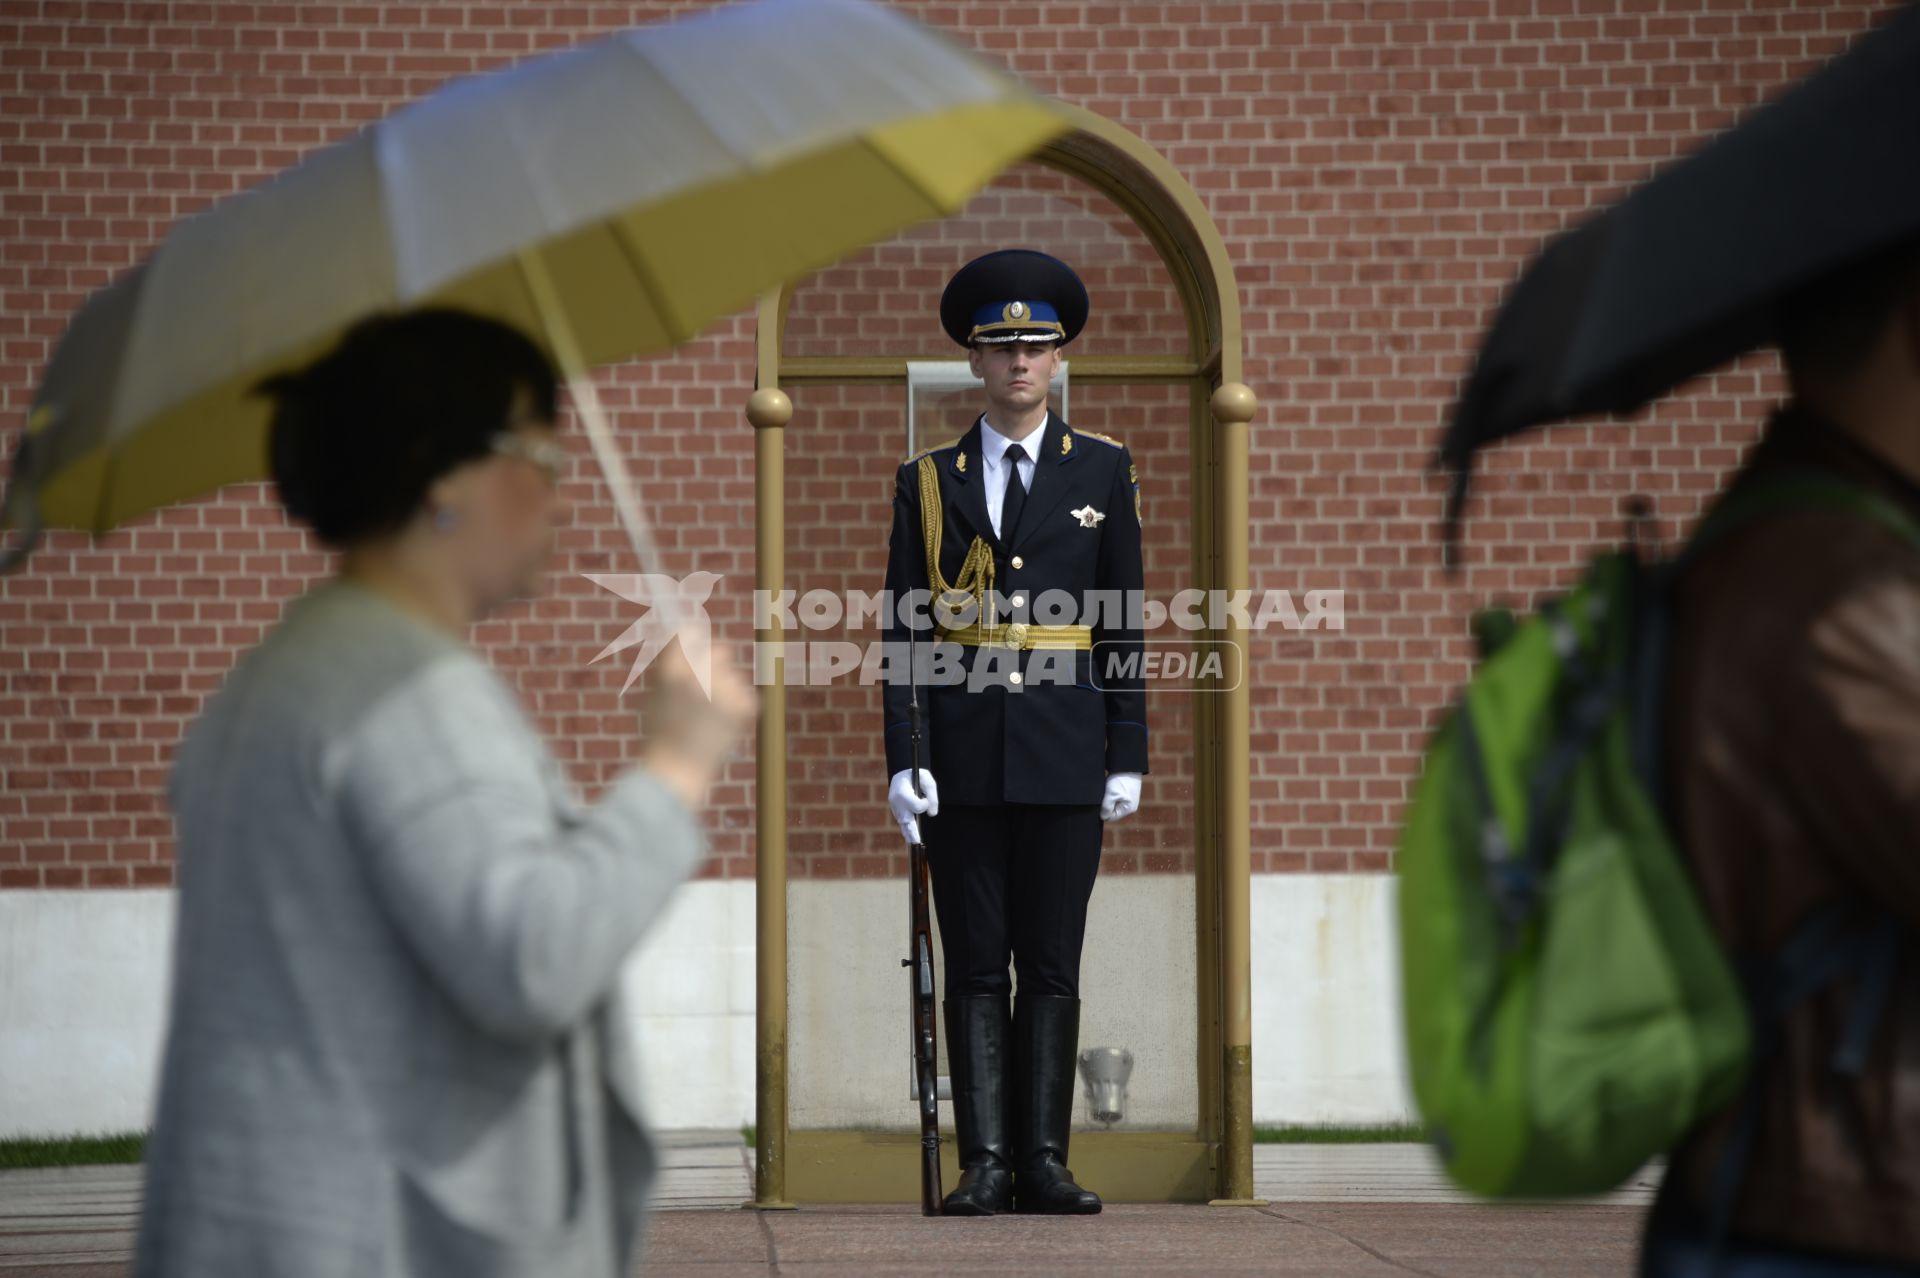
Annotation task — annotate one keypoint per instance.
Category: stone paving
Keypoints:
(1334, 1210)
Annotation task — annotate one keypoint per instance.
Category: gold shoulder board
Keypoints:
(945, 443)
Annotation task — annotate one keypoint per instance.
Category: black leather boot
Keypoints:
(1046, 1035)
(979, 1038)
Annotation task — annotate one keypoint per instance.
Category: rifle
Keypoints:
(925, 1043)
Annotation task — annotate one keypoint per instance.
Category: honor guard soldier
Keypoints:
(1040, 735)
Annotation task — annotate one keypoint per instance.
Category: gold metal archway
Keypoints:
(1217, 1163)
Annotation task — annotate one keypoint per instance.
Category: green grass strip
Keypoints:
(1372, 1134)
(72, 1151)
(1377, 1134)
(127, 1147)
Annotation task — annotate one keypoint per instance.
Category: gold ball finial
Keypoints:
(769, 408)
(1235, 402)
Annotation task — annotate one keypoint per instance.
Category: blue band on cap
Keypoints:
(1038, 313)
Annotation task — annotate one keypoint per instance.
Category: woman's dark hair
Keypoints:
(361, 434)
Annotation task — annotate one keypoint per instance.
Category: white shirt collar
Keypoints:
(994, 445)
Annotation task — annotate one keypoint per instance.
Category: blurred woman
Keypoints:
(398, 926)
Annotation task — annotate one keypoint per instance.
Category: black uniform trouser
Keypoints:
(1013, 880)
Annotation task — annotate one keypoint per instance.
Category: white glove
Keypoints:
(907, 806)
(1122, 797)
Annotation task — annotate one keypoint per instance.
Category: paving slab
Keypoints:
(1458, 1240)
(1442, 1240)
(1358, 1210)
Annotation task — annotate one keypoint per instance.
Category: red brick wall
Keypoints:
(1377, 168)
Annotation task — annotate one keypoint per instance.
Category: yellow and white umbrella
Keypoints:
(610, 200)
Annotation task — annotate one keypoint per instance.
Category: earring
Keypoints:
(445, 518)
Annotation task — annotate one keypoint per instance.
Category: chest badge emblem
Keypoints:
(1088, 516)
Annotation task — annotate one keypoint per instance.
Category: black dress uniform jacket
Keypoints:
(1035, 740)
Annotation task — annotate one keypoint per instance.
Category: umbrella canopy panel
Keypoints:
(665, 176)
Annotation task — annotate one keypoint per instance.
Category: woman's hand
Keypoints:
(689, 735)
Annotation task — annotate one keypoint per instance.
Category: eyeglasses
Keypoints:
(548, 455)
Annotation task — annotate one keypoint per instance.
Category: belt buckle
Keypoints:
(1016, 635)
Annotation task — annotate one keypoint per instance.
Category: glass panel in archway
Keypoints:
(848, 921)
(885, 301)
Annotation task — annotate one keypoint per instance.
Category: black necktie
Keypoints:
(1016, 495)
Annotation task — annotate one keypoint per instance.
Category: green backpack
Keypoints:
(1569, 1012)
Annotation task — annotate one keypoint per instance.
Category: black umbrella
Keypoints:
(1689, 271)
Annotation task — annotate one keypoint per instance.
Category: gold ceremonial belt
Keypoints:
(1019, 634)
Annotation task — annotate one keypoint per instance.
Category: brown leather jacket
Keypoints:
(1793, 756)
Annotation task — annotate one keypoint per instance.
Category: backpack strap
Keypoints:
(1827, 947)
(1799, 490)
